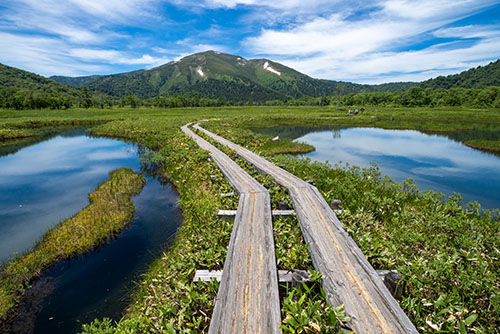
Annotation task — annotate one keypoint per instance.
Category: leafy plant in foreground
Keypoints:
(305, 310)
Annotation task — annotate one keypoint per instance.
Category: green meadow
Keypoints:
(448, 253)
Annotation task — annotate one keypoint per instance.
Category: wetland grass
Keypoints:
(109, 211)
(10, 134)
(488, 145)
(452, 276)
(448, 254)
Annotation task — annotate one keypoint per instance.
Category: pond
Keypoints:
(434, 162)
(52, 180)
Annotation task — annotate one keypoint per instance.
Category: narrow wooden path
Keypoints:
(349, 278)
(248, 297)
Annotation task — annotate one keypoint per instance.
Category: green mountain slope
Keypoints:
(21, 89)
(13, 77)
(479, 77)
(218, 75)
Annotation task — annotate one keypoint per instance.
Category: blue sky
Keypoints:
(358, 41)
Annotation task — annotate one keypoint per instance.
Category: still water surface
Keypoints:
(48, 182)
(44, 184)
(434, 162)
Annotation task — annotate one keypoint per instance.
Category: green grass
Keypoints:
(489, 145)
(449, 255)
(9, 134)
(110, 209)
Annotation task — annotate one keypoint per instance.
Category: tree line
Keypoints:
(24, 98)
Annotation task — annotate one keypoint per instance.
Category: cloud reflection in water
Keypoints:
(46, 183)
(434, 162)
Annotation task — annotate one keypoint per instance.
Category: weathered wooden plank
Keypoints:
(349, 278)
(284, 276)
(232, 213)
(248, 297)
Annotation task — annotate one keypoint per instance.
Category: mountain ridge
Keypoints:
(214, 74)
(210, 74)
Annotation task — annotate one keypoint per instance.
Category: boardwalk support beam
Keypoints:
(392, 279)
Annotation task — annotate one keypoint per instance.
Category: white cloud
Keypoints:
(115, 57)
(399, 66)
(282, 6)
(50, 56)
(42, 55)
(107, 11)
(64, 37)
(469, 31)
(358, 41)
(338, 47)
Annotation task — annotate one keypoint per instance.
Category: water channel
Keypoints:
(48, 182)
(434, 162)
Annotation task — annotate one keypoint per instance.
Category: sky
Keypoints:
(359, 41)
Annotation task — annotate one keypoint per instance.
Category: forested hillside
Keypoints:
(478, 77)
(25, 90)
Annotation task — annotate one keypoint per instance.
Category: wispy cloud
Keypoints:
(73, 37)
(281, 6)
(344, 48)
(43, 55)
(360, 41)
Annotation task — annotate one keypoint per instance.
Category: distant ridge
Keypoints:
(214, 74)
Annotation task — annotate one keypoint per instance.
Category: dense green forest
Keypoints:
(18, 98)
(413, 97)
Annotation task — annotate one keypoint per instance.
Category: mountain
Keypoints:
(218, 75)
(208, 74)
(479, 77)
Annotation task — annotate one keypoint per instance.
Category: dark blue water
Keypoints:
(60, 173)
(434, 162)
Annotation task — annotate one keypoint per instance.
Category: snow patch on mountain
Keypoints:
(268, 67)
(200, 71)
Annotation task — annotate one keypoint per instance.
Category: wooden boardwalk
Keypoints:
(248, 297)
(349, 278)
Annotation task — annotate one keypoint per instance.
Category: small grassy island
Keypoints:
(447, 252)
(109, 211)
